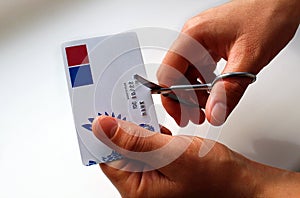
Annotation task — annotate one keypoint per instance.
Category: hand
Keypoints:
(247, 34)
(221, 173)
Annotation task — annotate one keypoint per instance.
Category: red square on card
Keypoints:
(77, 55)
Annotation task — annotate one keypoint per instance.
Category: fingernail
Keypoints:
(108, 125)
(218, 114)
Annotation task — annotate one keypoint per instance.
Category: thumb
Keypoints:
(226, 94)
(132, 141)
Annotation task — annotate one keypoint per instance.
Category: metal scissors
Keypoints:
(169, 91)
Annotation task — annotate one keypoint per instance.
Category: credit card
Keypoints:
(99, 74)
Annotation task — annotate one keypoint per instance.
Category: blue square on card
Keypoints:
(81, 75)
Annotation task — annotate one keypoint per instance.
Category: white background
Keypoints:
(39, 155)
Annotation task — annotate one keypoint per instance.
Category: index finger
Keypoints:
(172, 69)
(185, 51)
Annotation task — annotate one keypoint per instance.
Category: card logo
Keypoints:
(79, 67)
(89, 125)
(114, 155)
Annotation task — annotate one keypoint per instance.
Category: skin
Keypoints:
(220, 173)
(248, 34)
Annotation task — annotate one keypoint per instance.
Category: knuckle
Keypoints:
(197, 24)
(188, 24)
(191, 23)
(134, 144)
(133, 141)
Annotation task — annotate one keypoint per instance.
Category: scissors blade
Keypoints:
(169, 91)
(156, 89)
(147, 83)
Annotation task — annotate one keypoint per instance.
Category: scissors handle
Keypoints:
(234, 74)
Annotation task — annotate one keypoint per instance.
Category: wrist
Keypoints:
(280, 183)
(266, 181)
(294, 7)
(288, 10)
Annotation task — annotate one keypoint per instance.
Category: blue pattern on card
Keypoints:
(88, 126)
(91, 162)
(112, 157)
(147, 126)
(81, 75)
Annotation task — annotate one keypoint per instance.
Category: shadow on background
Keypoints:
(278, 153)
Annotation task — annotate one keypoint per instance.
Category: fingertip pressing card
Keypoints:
(100, 79)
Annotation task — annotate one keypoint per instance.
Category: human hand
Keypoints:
(247, 34)
(159, 165)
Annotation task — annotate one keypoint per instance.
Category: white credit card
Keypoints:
(99, 74)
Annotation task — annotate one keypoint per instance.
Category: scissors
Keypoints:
(168, 91)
